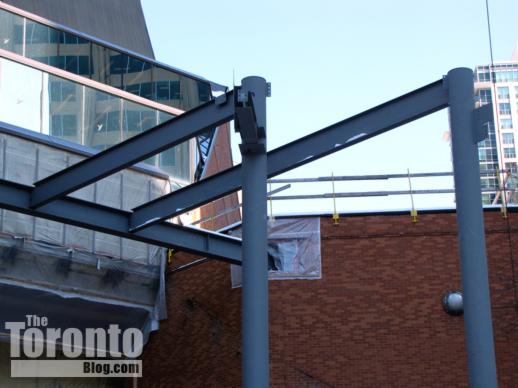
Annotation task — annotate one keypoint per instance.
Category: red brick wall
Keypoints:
(201, 337)
(221, 159)
(374, 319)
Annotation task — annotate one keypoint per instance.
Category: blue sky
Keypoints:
(329, 60)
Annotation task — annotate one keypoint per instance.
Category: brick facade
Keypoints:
(374, 319)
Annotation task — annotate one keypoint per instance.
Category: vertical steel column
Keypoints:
(255, 257)
(475, 284)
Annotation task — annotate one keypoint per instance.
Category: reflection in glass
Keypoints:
(102, 127)
(11, 32)
(65, 107)
(80, 114)
(77, 55)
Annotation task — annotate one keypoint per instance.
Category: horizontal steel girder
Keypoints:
(16, 197)
(363, 126)
(133, 150)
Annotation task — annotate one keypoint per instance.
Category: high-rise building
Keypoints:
(498, 85)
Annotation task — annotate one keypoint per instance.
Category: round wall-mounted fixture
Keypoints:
(452, 302)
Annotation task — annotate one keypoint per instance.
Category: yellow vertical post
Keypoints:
(336, 216)
(413, 212)
(502, 182)
(271, 201)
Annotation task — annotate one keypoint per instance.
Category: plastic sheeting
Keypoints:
(24, 161)
(293, 250)
(73, 262)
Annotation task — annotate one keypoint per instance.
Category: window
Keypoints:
(488, 183)
(487, 155)
(506, 124)
(136, 66)
(168, 158)
(57, 61)
(162, 90)
(117, 64)
(512, 167)
(113, 122)
(508, 138)
(138, 121)
(487, 198)
(516, 91)
(203, 92)
(83, 65)
(509, 152)
(108, 122)
(146, 90)
(77, 64)
(167, 90)
(18, 34)
(62, 91)
(506, 75)
(36, 33)
(504, 108)
(503, 93)
(489, 168)
(63, 126)
(175, 90)
(485, 96)
(484, 76)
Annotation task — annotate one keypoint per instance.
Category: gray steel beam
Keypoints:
(133, 150)
(16, 197)
(475, 284)
(255, 243)
(358, 128)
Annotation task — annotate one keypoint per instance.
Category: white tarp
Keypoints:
(293, 250)
(25, 161)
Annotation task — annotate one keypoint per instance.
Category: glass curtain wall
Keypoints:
(44, 103)
(80, 56)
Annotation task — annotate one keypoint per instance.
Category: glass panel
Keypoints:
(69, 52)
(101, 65)
(503, 92)
(11, 32)
(175, 161)
(485, 96)
(506, 123)
(512, 167)
(504, 108)
(508, 138)
(137, 77)
(167, 86)
(65, 102)
(116, 68)
(71, 111)
(20, 101)
(137, 119)
(102, 119)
